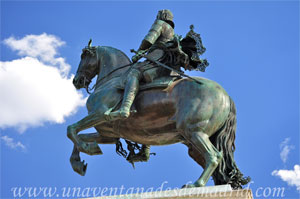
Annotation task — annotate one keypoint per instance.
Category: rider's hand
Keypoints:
(135, 57)
(138, 55)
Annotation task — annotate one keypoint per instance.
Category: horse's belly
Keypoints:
(141, 134)
(148, 138)
(152, 124)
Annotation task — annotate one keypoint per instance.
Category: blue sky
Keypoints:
(253, 51)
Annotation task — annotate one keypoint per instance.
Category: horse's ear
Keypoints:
(90, 43)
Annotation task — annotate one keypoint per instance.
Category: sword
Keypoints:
(165, 66)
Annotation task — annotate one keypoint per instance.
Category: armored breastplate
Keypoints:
(160, 32)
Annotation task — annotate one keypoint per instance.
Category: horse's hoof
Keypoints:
(199, 184)
(79, 167)
(188, 186)
(89, 148)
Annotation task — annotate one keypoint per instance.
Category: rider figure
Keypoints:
(162, 45)
(156, 43)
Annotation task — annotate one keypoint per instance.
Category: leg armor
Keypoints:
(131, 89)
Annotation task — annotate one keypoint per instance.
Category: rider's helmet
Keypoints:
(165, 15)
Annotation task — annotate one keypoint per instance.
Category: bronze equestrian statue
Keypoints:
(143, 102)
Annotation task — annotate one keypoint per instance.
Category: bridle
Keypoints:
(86, 81)
(87, 73)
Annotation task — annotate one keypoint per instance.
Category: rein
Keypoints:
(111, 72)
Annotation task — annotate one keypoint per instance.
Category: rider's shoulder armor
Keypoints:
(160, 31)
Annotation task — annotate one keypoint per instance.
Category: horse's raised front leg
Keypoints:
(78, 165)
(89, 121)
(205, 154)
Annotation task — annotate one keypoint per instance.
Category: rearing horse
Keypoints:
(201, 116)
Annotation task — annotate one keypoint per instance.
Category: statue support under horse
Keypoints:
(201, 116)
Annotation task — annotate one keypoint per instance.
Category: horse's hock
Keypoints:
(209, 192)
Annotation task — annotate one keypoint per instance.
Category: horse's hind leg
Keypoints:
(198, 157)
(78, 165)
(209, 158)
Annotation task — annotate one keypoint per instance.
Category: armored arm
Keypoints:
(153, 34)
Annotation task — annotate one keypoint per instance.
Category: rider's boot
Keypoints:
(131, 89)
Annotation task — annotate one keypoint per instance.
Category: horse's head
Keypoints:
(88, 67)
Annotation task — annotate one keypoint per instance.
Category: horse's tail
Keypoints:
(227, 171)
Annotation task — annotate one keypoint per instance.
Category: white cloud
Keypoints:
(35, 89)
(43, 47)
(292, 177)
(285, 149)
(12, 144)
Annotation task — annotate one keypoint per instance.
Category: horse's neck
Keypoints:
(110, 60)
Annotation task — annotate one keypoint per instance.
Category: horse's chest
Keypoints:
(104, 99)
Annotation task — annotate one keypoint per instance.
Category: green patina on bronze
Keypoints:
(143, 102)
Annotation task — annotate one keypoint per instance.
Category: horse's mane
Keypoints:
(116, 50)
(114, 62)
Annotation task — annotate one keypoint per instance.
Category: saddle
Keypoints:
(162, 82)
